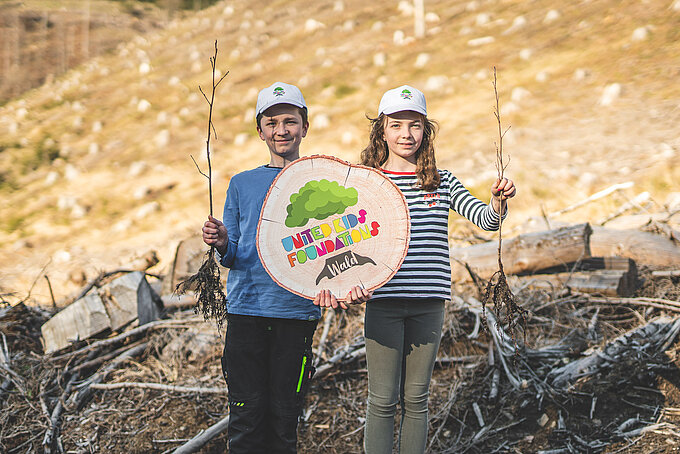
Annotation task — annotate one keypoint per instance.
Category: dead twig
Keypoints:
(497, 289)
(211, 301)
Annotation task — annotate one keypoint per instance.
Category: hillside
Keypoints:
(44, 39)
(95, 166)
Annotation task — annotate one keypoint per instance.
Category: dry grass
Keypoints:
(558, 134)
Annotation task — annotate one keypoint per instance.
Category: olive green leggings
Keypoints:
(402, 339)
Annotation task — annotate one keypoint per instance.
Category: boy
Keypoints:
(267, 354)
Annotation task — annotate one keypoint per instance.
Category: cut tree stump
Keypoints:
(525, 253)
(82, 319)
(112, 306)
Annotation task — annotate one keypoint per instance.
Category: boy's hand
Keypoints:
(215, 234)
(325, 298)
(502, 190)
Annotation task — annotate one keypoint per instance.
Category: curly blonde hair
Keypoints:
(376, 153)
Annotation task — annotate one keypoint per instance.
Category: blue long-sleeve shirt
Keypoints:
(250, 290)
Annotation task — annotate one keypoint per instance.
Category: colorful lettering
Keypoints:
(307, 237)
(339, 244)
(287, 243)
(349, 229)
(311, 252)
(321, 249)
(297, 243)
(344, 236)
(338, 227)
(291, 259)
(315, 232)
(365, 233)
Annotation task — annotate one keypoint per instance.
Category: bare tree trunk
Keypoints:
(15, 65)
(62, 45)
(419, 18)
(86, 32)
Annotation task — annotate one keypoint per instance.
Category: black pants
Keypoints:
(267, 364)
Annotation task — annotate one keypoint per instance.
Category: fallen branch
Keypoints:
(125, 335)
(103, 358)
(658, 303)
(329, 315)
(668, 273)
(635, 203)
(160, 387)
(50, 440)
(346, 354)
(656, 336)
(84, 392)
(598, 195)
(504, 349)
(203, 437)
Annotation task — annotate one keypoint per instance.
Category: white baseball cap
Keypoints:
(279, 93)
(403, 98)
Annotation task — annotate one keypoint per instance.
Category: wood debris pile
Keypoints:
(598, 372)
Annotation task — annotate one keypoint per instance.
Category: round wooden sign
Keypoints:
(326, 224)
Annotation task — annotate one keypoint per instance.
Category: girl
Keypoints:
(403, 320)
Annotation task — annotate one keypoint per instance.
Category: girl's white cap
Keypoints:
(403, 98)
(279, 93)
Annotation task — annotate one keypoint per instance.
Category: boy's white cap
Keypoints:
(403, 98)
(279, 93)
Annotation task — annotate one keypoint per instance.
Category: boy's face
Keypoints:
(282, 129)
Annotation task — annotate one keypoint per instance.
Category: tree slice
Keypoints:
(326, 224)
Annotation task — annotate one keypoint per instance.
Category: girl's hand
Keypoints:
(502, 190)
(215, 234)
(358, 295)
(325, 298)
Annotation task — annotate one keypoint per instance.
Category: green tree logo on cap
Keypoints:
(279, 91)
(406, 94)
(319, 200)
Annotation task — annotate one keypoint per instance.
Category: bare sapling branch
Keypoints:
(210, 299)
(497, 290)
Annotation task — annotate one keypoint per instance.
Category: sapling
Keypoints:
(210, 299)
(497, 289)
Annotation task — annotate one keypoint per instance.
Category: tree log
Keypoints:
(609, 276)
(525, 253)
(643, 247)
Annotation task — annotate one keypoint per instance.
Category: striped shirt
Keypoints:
(426, 270)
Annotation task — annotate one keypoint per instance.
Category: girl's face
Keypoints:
(404, 134)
